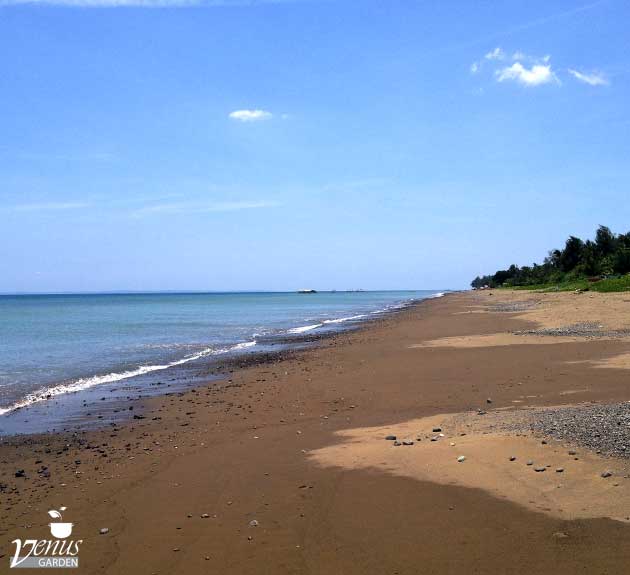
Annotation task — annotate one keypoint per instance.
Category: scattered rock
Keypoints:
(540, 469)
(530, 462)
(391, 438)
(602, 428)
(253, 523)
(513, 458)
(407, 442)
(104, 531)
(560, 470)
(560, 535)
(437, 429)
(461, 459)
(607, 474)
(589, 330)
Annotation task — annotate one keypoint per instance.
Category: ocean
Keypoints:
(55, 347)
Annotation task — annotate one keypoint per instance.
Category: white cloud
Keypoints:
(592, 79)
(496, 54)
(537, 75)
(49, 206)
(250, 115)
(525, 69)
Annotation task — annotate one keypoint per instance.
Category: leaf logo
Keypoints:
(59, 529)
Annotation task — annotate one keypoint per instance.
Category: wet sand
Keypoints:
(297, 446)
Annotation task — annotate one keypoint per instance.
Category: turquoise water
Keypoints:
(52, 345)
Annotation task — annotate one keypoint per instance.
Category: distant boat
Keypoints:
(307, 291)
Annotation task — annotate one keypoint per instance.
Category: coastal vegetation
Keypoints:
(601, 264)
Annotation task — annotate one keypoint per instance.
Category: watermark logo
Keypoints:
(59, 552)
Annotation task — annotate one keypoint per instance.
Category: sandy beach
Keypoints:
(285, 467)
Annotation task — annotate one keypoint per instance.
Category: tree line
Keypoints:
(607, 255)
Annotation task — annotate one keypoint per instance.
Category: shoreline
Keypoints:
(55, 411)
(270, 445)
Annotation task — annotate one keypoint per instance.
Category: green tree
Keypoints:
(608, 254)
(572, 254)
(605, 241)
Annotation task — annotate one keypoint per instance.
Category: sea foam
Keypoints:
(88, 382)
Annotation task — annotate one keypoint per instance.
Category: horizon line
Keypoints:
(253, 291)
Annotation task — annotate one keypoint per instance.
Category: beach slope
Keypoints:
(286, 467)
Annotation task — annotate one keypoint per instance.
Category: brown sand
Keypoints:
(297, 446)
(568, 482)
(493, 340)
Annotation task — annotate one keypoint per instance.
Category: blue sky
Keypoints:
(285, 144)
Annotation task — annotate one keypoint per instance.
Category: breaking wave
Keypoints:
(88, 382)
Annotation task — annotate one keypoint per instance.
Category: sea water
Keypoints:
(53, 345)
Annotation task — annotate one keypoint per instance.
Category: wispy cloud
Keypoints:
(529, 70)
(537, 75)
(542, 21)
(592, 78)
(69, 157)
(356, 185)
(539, 70)
(204, 207)
(147, 3)
(250, 115)
(510, 31)
(104, 3)
(496, 54)
(49, 206)
(518, 71)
